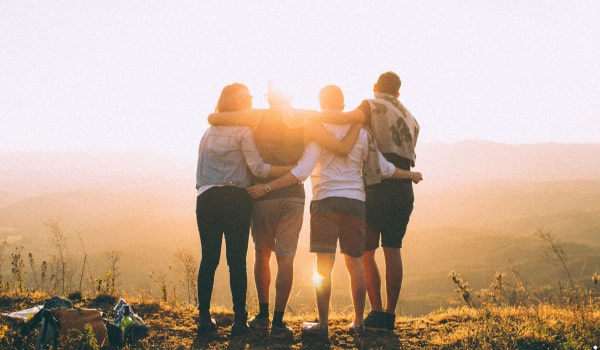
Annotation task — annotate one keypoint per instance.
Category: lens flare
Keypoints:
(317, 278)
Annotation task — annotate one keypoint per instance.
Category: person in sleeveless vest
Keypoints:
(277, 216)
(389, 202)
(227, 156)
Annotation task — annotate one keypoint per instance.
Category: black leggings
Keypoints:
(223, 210)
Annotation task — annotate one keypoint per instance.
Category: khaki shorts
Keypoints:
(276, 225)
(336, 218)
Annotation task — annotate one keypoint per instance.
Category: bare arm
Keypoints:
(338, 117)
(298, 174)
(388, 170)
(316, 132)
(414, 176)
(247, 117)
(259, 190)
(279, 170)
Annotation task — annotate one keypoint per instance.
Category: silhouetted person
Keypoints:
(390, 202)
(226, 156)
(277, 214)
(337, 209)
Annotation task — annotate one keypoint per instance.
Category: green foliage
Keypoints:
(160, 279)
(60, 262)
(2, 247)
(112, 274)
(82, 340)
(17, 270)
(187, 271)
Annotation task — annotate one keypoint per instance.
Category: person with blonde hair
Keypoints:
(227, 159)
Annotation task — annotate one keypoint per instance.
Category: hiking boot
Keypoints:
(240, 325)
(282, 331)
(206, 328)
(356, 330)
(391, 320)
(377, 321)
(260, 323)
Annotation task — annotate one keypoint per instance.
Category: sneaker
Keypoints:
(282, 331)
(261, 323)
(206, 328)
(240, 326)
(376, 321)
(356, 330)
(312, 330)
(391, 321)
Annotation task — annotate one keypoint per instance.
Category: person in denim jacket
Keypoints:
(226, 158)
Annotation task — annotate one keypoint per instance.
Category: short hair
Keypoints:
(331, 97)
(233, 97)
(389, 83)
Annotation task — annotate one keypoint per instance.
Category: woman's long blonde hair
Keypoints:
(234, 97)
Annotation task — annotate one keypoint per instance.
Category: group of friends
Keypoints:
(251, 168)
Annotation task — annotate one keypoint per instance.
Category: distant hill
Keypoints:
(476, 213)
(443, 165)
(30, 174)
(467, 162)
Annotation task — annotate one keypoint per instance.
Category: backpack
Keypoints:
(62, 325)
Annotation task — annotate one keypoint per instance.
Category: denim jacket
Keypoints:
(226, 156)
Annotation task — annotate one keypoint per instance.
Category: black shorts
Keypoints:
(336, 218)
(389, 205)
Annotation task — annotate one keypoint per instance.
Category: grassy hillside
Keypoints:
(478, 235)
(570, 325)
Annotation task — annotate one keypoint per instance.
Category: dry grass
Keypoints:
(491, 327)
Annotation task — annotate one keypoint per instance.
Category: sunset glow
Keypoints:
(139, 75)
(317, 278)
(103, 105)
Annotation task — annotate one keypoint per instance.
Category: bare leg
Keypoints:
(323, 291)
(373, 280)
(262, 275)
(283, 282)
(393, 277)
(358, 286)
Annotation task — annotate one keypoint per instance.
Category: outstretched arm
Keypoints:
(279, 170)
(316, 132)
(414, 176)
(299, 173)
(259, 190)
(338, 117)
(247, 117)
(388, 170)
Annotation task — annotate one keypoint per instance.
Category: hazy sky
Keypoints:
(143, 75)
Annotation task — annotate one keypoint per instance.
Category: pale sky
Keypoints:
(143, 75)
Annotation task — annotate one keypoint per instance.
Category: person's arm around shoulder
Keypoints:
(247, 117)
(315, 131)
(339, 117)
(298, 174)
(414, 176)
(388, 170)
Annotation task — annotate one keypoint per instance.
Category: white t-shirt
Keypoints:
(335, 176)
